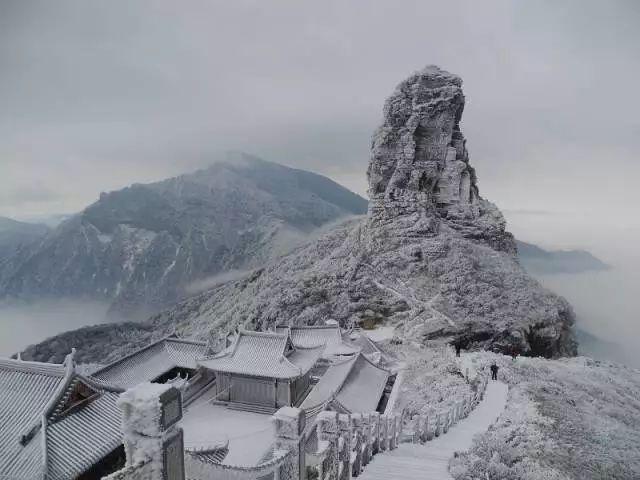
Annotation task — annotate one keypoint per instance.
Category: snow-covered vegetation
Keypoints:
(432, 379)
(573, 418)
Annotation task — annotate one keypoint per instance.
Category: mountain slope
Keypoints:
(538, 260)
(142, 246)
(566, 419)
(432, 257)
(15, 235)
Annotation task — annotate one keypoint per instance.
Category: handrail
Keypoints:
(201, 471)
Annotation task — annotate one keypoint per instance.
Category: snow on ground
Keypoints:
(380, 334)
(432, 379)
(573, 418)
(250, 435)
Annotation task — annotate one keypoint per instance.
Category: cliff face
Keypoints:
(420, 179)
(431, 258)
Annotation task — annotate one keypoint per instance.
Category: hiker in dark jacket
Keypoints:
(494, 371)
(458, 348)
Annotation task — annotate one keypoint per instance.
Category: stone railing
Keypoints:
(133, 472)
(274, 469)
(423, 428)
(338, 446)
(334, 447)
(286, 462)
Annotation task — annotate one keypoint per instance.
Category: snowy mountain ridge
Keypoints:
(141, 247)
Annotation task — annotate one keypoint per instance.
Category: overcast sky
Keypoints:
(97, 95)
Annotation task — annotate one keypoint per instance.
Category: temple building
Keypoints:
(330, 336)
(264, 369)
(59, 424)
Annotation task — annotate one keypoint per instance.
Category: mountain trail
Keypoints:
(431, 461)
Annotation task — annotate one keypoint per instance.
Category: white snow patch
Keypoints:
(250, 435)
(380, 334)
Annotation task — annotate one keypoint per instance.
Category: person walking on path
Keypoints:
(458, 348)
(494, 371)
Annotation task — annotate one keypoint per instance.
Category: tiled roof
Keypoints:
(210, 455)
(356, 383)
(33, 397)
(83, 438)
(363, 342)
(25, 390)
(150, 362)
(264, 354)
(329, 384)
(316, 335)
(363, 388)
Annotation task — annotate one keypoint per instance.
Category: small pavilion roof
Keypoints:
(264, 354)
(150, 362)
(355, 383)
(316, 335)
(42, 431)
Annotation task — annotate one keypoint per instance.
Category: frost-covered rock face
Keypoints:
(431, 258)
(419, 175)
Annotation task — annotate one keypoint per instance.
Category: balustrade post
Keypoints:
(445, 426)
(150, 435)
(427, 433)
(375, 432)
(383, 443)
(393, 432)
(344, 422)
(356, 427)
(367, 437)
(329, 431)
(289, 424)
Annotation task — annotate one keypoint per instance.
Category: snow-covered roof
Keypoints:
(40, 433)
(355, 383)
(150, 362)
(317, 335)
(363, 342)
(264, 354)
(363, 387)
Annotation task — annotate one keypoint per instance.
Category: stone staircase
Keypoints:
(430, 461)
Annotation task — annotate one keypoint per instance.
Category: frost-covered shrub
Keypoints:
(432, 380)
(565, 419)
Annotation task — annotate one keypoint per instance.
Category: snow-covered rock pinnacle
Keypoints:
(419, 173)
(418, 157)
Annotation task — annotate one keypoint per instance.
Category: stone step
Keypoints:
(247, 407)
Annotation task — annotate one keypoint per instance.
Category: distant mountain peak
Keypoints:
(140, 247)
(540, 261)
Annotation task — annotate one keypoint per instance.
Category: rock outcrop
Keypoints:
(420, 179)
(431, 258)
